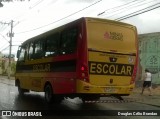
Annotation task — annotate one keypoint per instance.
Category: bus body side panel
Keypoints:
(34, 74)
(59, 71)
(60, 84)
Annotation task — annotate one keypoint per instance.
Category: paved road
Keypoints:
(33, 101)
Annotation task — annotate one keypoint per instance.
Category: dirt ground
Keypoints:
(138, 88)
(155, 90)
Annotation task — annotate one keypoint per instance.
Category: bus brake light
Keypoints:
(134, 75)
(84, 73)
(82, 68)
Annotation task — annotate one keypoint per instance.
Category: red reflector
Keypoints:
(86, 87)
(82, 68)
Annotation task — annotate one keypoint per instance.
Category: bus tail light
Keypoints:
(82, 68)
(84, 73)
(134, 71)
(136, 63)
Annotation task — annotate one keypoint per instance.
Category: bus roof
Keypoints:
(109, 21)
(87, 19)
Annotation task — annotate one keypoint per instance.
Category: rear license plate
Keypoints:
(109, 90)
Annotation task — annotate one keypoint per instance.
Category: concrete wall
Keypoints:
(149, 54)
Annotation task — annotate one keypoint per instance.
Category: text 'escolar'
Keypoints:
(102, 68)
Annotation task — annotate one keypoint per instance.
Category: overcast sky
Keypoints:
(37, 16)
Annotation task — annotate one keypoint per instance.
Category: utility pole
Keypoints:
(10, 49)
(10, 34)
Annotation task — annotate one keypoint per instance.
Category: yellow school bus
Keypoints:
(87, 58)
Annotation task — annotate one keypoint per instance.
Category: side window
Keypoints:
(22, 54)
(30, 53)
(52, 45)
(69, 41)
(38, 51)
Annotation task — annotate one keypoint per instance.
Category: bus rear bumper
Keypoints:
(86, 88)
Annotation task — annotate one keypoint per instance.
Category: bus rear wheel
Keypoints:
(48, 93)
(21, 90)
(50, 97)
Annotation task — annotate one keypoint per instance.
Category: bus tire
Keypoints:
(48, 93)
(20, 90)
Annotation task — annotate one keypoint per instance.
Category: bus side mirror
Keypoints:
(18, 53)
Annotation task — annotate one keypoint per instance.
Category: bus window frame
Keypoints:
(40, 54)
(57, 48)
(20, 51)
(63, 50)
(30, 56)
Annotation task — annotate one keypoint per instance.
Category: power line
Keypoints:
(117, 7)
(37, 3)
(7, 47)
(4, 25)
(33, 6)
(4, 48)
(130, 7)
(60, 19)
(4, 37)
(30, 9)
(138, 12)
